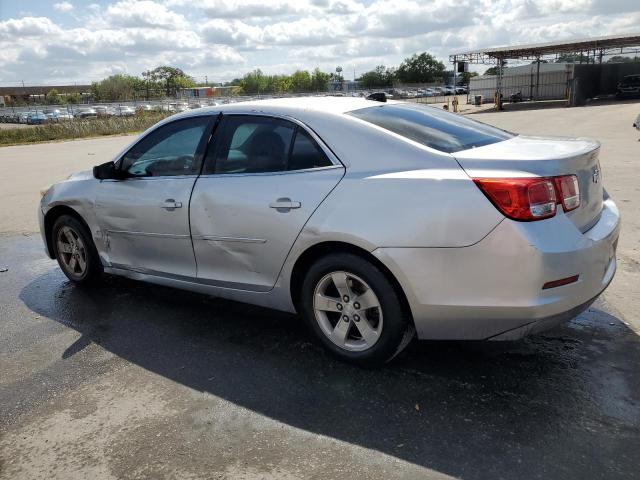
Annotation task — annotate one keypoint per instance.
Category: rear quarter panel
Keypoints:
(397, 192)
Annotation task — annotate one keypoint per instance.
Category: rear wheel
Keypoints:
(354, 310)
(75, 251)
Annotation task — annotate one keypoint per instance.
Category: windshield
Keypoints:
(432, 127)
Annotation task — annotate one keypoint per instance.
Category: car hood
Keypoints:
(82, 175)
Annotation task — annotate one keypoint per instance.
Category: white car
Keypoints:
(374, 221)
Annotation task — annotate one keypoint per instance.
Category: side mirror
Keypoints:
(106, 171)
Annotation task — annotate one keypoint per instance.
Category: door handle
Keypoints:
(283, 205)
(170, 204)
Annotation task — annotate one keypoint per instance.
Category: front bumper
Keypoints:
(493, 289)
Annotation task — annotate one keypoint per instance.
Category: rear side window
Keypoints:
(440, 130)
(259, 144)
(306, 153)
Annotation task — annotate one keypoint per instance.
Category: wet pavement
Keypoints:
(130, 380)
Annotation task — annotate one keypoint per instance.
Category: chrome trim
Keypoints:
(262, 174)
(218, 238)
(146, 234)
(140, 179)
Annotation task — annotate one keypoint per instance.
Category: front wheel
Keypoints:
(354, 310)
(75, 251)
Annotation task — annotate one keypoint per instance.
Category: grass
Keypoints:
(72, 129)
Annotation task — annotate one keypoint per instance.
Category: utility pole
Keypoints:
(206, 81)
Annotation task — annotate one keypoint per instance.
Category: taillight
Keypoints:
(528, 199)
(569, 191)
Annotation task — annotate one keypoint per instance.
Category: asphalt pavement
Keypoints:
(131, 380)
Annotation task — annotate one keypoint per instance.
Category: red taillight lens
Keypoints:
(568, 191)
(527, 199)
(521, 199)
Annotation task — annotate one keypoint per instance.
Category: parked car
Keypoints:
(104, 111)
(64, 116)
(36, 118)
(377, 96)
(22, 117)
(124, 111)
(372, 220)
(629, 87)
(86, 113)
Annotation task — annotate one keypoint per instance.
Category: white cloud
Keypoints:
(225, 38)
(142, 13)
(63, 6)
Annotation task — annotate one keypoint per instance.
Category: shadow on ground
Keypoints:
(564, 404)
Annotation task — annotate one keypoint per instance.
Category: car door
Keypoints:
(261, 182)
(145, 216)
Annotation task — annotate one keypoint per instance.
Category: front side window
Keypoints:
(440, 130)
(167, 151)
(257, 144)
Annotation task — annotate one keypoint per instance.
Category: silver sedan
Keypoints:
(374, 221)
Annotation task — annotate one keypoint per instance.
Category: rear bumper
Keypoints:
(493, 289)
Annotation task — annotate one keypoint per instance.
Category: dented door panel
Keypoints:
(145, 224)
(244, 225)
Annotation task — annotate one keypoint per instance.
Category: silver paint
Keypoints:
(467, 272)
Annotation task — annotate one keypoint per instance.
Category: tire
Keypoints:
(70, 238)
(351, 331)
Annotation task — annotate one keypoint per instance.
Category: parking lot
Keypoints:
(132, 380)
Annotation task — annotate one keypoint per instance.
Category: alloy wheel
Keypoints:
(348, 311)
(72, 252)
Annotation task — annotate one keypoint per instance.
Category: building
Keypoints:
(573, 82)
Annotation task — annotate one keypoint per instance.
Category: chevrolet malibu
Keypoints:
(374, 221)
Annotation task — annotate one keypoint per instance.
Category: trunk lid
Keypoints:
(528, 156)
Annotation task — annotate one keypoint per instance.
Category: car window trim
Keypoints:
(202, 147)
(333, 159)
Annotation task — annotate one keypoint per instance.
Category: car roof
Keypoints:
(327, 104)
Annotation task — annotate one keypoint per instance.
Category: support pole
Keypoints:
(537, 79)
(499, 85)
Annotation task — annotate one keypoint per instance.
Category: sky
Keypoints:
(75, 41)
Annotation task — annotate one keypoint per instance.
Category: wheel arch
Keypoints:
(315, 252)
(50, 219)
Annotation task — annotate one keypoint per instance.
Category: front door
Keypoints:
(145, 216)
(261, 182)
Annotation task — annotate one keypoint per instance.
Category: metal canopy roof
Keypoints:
(596, 46)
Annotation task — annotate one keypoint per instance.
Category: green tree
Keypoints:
(53, 97)
(319, 80)
(420, 68)
(494, 70)
(301, 81)
(281, 83)
(380, 76)
(170, 79)
(571, 58)
(622, 59)
(466, 77)
(255, 82)
(73, 98)
(116, 88)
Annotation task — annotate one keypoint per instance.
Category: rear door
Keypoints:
(262, 180)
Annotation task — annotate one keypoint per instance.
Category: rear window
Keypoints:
(432, 127)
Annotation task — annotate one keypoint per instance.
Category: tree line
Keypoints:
(167, 81)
